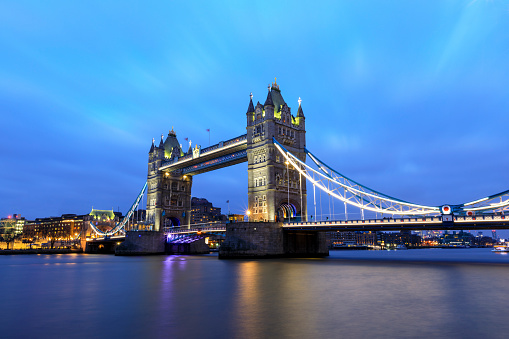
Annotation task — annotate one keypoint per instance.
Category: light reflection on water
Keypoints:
(415, 293)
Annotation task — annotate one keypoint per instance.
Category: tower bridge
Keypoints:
(275, 191)
(274, 147)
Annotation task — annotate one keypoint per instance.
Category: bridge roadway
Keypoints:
(225, 153)
(447, 222)
(443, 222)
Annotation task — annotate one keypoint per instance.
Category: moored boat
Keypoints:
(501, 249)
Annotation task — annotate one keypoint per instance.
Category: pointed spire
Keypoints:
(300, 114)
(151, 150)
(161, 144)
(269, 101)
(275, 85)
(250, 109)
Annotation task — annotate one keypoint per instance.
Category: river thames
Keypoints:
(457, 293)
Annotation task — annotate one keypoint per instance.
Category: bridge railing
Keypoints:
(222, 144)
(367, 221)
(430, 219)
(169, 230)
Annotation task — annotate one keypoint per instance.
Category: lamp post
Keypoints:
(248, 213)
(288, 179)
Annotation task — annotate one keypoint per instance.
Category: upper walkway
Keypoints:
(222, 154)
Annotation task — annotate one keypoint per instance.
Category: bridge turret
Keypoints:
(170, 144)
(250, 111)
(151, 147)
(300, 120)
(268, 106)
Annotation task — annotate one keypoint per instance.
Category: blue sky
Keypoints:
(410, 98)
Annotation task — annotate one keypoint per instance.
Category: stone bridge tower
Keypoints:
(168, 193)
(276, 192)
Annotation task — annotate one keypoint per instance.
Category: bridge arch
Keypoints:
(171, 221)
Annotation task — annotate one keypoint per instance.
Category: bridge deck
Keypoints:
(398, 224)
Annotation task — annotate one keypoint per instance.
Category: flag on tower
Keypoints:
(186, 139)
(208, 129)
(227, 201)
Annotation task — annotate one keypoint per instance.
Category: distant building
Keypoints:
(494, 234)
(392, 239)
(202, 211)
(236, 217)
(70, 226)
(15, 222)
(65, 227)
(457, 238)
(340, 239)
(7, 230)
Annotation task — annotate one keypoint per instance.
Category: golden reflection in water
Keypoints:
(248, 306)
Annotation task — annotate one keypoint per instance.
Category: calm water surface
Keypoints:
(461, 293)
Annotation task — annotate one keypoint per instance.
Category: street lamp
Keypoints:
(248, 213)
(288, 179)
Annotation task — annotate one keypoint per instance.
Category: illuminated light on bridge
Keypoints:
(360, 196)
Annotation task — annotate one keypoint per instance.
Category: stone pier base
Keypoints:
(142, 243)
(270, 240)
(196, 247)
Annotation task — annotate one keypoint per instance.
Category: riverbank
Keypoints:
(41, 251)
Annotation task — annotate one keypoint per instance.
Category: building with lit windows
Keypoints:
(65, 227)
(202, 211)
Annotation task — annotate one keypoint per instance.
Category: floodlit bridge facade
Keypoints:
(276, 191)
(274, 147)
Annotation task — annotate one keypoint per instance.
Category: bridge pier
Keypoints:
(142, 243)
(269, 240)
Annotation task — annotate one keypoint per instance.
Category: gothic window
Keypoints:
(280, 130)
(264, 181)
(174, 186)
(165, 186)
(258, 129)
(256, 183)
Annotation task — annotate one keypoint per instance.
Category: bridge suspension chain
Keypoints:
(352, 193)
(497, 203)
(349, 191)
(120, 226)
